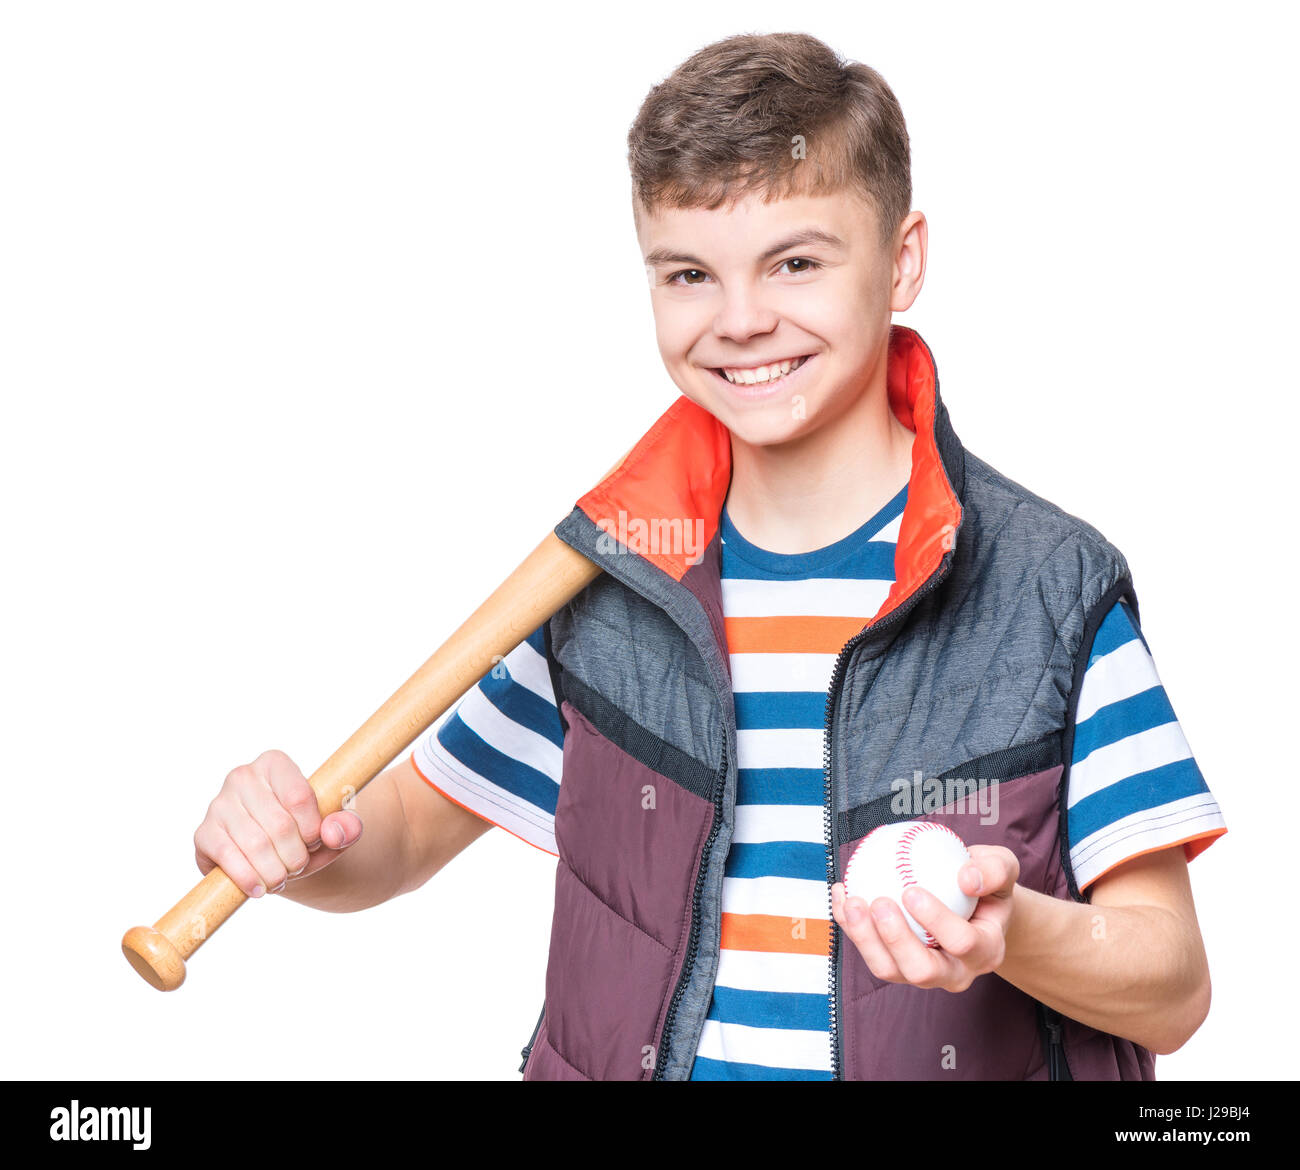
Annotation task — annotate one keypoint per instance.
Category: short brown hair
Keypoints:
(730, 119)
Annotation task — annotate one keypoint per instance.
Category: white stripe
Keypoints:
(769, 1047)
(529, 669)
(810, 597)
(1142, 820)
(508, 737)
(1126, 757)
(481, 796)
(779, 822)
(1142, 832)
(773, 971)
(1127, 670)
(781, 672)
(779, 747)
(890, 530)
(784, 897)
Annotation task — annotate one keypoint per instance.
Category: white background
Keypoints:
(314, 318)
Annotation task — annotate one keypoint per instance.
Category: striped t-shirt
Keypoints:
(1134, 786)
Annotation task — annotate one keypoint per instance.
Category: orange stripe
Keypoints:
(774, 932)
(791, 635)
(1194, 845)
(475, 811)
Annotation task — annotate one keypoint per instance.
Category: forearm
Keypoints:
(1133, 971)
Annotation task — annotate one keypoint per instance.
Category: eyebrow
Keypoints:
(797, 239)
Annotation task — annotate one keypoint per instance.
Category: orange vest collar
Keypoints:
(664, 501)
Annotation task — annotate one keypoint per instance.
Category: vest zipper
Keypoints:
(828, 802)
(693, 942)
(1058, 1068)
(527, 1049)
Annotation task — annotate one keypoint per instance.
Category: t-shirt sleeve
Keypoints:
(498, 752)
(1134, 786)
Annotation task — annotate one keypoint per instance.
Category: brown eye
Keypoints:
(692, 276)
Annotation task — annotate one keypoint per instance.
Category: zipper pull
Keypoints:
(527, 1049)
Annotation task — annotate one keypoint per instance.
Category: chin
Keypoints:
(766, 428)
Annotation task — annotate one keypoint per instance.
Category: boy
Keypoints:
(870, 615)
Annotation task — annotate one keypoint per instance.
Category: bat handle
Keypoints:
(550, 576)
(158, 952)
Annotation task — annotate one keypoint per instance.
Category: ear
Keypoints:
(911, 244)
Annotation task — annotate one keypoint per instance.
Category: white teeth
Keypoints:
(769, 373)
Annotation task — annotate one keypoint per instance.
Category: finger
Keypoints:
(919, 964)
(280, 828)
(254, 843)
(321, 857)
(291, 789)
(954, 934)
(214, 846)
(997, 867)
(854, 918)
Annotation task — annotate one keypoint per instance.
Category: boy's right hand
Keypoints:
(264, 827)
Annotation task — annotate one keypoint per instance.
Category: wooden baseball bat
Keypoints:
(552, 574)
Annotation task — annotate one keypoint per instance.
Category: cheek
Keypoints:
(680, 324)
(834, 320)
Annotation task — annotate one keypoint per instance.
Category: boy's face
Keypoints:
(801, 282)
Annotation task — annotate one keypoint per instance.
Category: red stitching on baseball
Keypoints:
(902, 859)
(903, 863)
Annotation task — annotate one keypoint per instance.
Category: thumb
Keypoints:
(337, 832)
(340, 829)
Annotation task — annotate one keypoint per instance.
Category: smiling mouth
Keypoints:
(764, 375)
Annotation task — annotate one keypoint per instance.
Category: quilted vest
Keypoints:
(962, 687)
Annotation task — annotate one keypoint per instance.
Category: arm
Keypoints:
(265, 830)
(411, 832)
(1131, 963)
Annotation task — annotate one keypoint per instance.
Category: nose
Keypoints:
(743, 315)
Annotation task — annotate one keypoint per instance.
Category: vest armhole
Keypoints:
(555, 670)
(1122, 588)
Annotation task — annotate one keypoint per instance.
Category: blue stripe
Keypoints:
(763, 710)
(520, 705)
(780, 786)
(1128, 613)
(1117, 721)
(791, 859)
(771, 1009)
(537, 640)
(875, 562)
(855, 557)
(507, 773)
(1137, 793)
(1115, 630)
(719, 1070)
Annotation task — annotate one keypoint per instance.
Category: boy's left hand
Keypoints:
(966, 949)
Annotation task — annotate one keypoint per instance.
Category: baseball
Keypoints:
(910, 853)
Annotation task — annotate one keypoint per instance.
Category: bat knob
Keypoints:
(155, 957)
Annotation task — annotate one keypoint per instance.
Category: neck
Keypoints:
(808, 493)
